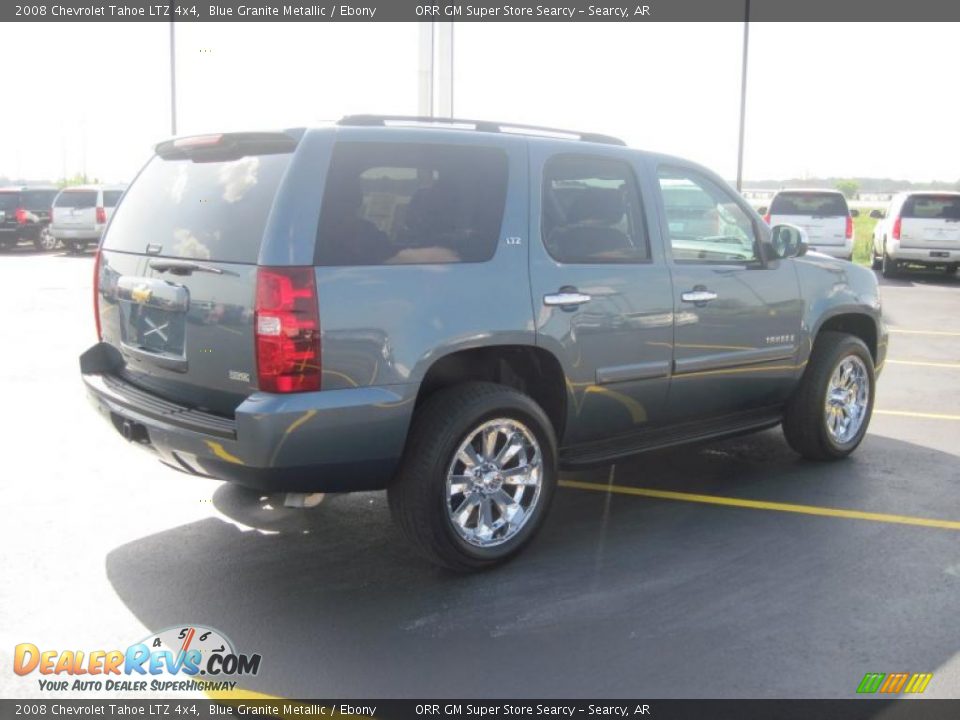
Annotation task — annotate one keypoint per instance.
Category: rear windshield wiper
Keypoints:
(183, 267)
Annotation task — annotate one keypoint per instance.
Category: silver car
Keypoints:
(80, 214)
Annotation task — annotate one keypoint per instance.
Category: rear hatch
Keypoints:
(822, 214)
(931, 221)
(76, 210)
(178, 267)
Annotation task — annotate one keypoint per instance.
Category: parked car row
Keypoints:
(47, 217)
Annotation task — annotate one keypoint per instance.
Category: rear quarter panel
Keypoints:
(387, 324)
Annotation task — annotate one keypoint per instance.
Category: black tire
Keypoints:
(876, 258)
(888, 267)
(417, 495)
(804, 424)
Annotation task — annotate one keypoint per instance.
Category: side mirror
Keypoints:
(788, 241)
(876, 214)
(762, 210)
(854, 213)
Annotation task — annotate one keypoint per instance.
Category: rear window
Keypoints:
(111, 197)
(404, 203)
(38, 199)
(79, 199)
(200, 210)
(932, 207)
(821, 204)
(9, 201)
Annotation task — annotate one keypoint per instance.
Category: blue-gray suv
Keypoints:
(456, 310)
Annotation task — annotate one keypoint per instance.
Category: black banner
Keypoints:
(854, 709)
(478, 11)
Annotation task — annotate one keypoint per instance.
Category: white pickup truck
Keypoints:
(918, 228)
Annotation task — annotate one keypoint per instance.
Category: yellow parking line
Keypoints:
(907, 413)
(926, 363)
(764, 505)
(898, 331)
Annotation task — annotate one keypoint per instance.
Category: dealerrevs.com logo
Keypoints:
(189, 657)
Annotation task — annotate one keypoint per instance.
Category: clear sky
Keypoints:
(823, 99)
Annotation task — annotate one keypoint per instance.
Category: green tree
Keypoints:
(77, 179)
(848, 188)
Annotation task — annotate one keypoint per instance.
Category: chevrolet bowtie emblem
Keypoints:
(141, 294)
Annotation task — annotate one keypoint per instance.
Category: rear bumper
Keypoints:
(838, 251)
(329, 441)
(922, 255)
(65, 232)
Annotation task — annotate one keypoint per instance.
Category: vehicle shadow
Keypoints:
(911, 277)
(620, 596)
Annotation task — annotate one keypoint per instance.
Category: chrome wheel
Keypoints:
(494, 482)
(47, 241)
(847, 400)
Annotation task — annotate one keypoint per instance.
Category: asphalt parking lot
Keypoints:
(758, 575)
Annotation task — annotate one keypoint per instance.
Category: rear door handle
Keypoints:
(698, 296)
(566, 299)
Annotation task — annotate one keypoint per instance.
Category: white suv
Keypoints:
(824, 214)
(80, 214)
(919, 228)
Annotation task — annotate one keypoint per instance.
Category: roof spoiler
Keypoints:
(228, 146)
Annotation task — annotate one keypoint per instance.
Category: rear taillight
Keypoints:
(766, 218)
(96, 293)
(849, 231)
(287, 330)
(101, 216)
(896, 228)
(21, 215)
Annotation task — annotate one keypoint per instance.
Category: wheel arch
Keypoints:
(532, 370)
(859, 324)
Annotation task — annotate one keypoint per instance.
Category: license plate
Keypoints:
(158, 330)
(938, 254)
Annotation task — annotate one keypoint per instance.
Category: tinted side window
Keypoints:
(407, 203)
(202, 210)
(591, 211)
(111, 197)
(705, 222)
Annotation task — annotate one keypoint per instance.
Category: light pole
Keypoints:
(173, 80)
(743, 92)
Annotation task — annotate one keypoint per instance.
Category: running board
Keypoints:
(610, 449)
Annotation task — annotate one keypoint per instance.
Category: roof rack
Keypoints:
(478, 125)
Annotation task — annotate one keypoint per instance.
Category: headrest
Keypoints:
(598, 205)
